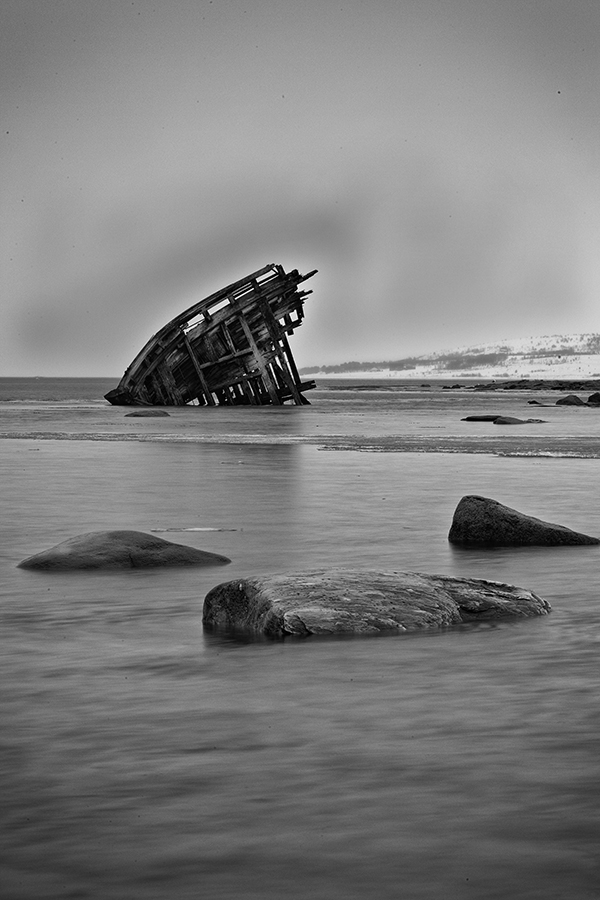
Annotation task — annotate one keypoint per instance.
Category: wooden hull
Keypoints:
(231, 348)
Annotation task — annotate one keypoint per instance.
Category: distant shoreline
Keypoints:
(481, 384)
(554, 358)
(549, 373)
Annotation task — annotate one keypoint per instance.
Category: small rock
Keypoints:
(120, 549)
(480, 521)
(146, 413)
(342, 601)
(486, 418)
(594, 399)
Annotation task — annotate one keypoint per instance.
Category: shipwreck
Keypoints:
(229, 349)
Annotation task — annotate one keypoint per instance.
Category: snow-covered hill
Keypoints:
(556, 356)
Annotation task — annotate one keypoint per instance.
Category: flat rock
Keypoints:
(512, 420)
(353, 602)
(480, 521)
(146, 414)
(502, 420)
(484, 418)
(120, 550)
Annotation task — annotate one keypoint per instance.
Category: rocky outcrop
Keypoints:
(351, 602)
(528, 384)
(571, 400)
(480, 521)
(574, 400)
(119, 550)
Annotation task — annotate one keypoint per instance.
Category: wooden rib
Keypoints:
(196, 364)
(258, 357)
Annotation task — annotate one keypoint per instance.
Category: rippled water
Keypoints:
(141, 758)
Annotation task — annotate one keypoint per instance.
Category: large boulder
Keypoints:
(342, 601)
(120, 550)
(479, 521)
(570, 400)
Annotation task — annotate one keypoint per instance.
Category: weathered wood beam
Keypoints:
(258, 358)
(290, 359)
(170, 386)
(198, 369)
(276, 333)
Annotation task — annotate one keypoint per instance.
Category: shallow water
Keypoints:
(398, 417)
(141, 758)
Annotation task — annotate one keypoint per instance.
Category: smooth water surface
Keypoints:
(141, 758)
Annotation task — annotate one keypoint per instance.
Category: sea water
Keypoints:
(142, 758)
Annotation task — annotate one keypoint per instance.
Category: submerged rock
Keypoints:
(146, 413)
(502, 420)
(512, 420)
(480, 521)
(342, 601)
(484, 418)
(120, 549)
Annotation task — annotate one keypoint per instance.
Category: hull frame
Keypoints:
(229, 349)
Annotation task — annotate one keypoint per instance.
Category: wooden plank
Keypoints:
(228, 339)
(266, 375)
(198, 369)
(248, 392)
(169, 385)
(290, 359)
(276, 333)
(158, 396)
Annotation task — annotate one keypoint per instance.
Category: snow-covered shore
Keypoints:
(569, 367)
(551, 357)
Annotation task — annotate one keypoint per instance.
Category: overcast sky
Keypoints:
(437, 162)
